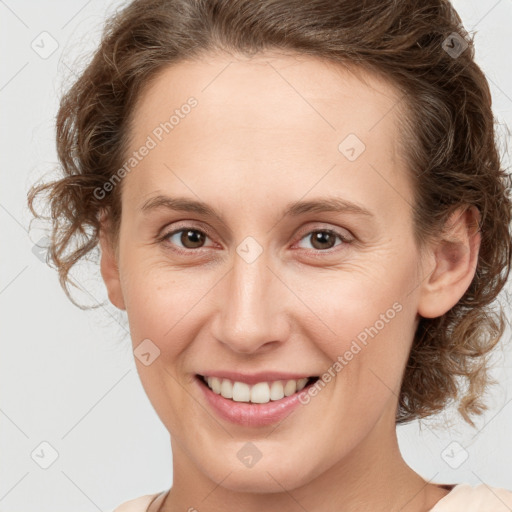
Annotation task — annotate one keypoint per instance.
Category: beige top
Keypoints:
(463, 497)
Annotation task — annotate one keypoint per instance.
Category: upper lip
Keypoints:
(254, 378)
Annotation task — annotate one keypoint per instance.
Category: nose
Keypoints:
(252, 315)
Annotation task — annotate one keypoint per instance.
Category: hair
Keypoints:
(448, 132)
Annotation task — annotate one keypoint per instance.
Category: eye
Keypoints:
(190, 238)
(324, 239)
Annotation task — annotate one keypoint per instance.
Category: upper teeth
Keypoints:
(259, 393)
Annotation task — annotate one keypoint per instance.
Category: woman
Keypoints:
(301, 207)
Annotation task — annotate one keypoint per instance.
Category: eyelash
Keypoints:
(164, 239)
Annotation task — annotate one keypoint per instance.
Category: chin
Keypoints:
(245, 481)
(264, 477)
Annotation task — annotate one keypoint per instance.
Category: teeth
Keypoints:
(260, 393)
(226, 389)
(276, 390)
(290, 387)
(241, 391)
(216, 385)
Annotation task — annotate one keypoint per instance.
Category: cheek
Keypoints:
(371, 319)
(161, 308)
(165, 304)
(363, 304)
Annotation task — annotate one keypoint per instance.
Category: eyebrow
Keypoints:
(294, 209)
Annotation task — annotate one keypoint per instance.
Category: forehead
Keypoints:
(261, 120)
(243, 92)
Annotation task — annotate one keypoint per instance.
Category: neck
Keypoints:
(373, 476)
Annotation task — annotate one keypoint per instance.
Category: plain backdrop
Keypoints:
(71, 398)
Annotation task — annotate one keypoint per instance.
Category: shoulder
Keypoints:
(478, 498)
(139, 504)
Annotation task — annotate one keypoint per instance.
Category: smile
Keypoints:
(240, 408)
(259, 393)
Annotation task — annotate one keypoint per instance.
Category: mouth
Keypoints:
(259, 393)
(262, 404)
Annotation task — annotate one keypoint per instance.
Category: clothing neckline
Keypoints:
(444, 499)
(448, 487)
(159, 499)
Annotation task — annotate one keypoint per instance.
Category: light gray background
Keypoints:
(68, 376)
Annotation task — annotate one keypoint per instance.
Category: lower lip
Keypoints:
(249, 414)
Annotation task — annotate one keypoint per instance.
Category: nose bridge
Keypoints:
(251, 306)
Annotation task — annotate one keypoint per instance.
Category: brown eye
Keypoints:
(186, 238)
(324, 239)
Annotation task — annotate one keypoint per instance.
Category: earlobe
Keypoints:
(455, 258)
(109, 269)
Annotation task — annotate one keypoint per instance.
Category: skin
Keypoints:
(265, 133)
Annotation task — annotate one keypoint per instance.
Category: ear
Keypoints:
(452, 260)
(108, 265)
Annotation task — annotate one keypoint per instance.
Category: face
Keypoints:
(269, 282)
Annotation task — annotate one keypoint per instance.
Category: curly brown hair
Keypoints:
(448, 132)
